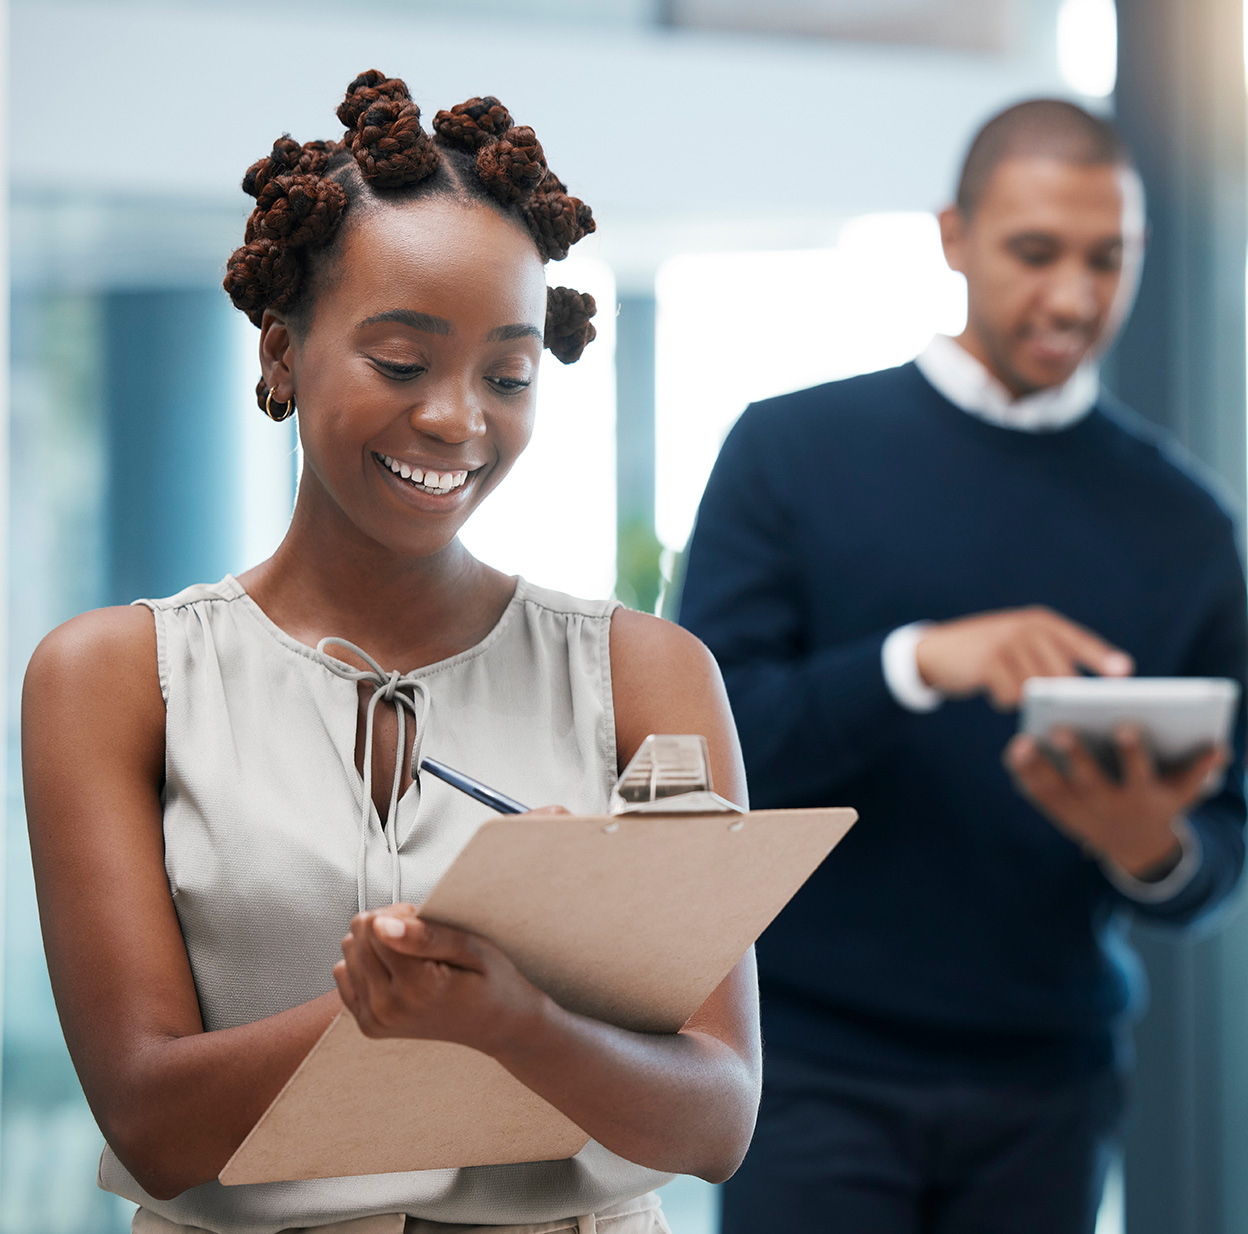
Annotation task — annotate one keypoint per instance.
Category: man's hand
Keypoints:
(994, 653)
(1130, 821)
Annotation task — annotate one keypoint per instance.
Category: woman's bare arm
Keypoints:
(173, 1101)
(681, 1102)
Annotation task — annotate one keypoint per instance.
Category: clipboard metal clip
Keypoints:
(669, 775)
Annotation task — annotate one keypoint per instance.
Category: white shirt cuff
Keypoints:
(1144, 892)
(901, 669)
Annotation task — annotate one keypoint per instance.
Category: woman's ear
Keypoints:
(277, 359)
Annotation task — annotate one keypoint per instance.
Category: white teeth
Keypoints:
(431, 481)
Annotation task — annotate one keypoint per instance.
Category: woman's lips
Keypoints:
(431, 480)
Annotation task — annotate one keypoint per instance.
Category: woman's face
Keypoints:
(417, 375)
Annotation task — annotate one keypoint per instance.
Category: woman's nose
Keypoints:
(449, 412)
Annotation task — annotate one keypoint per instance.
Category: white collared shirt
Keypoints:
(953, 372)
(967, 384)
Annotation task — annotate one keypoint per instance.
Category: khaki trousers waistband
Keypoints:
(644, 1215)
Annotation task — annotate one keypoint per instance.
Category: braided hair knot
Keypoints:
(364, 91)
(472, 124)
(264, 273)
(288, 157)
(283, 157)
(314, 156)
(556, 219)
(512, 166)
(568, 327)
(299, 210)
(389, 144)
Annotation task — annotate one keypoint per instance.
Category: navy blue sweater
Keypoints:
(954, 932)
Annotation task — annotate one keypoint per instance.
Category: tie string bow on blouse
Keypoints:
(406, 693)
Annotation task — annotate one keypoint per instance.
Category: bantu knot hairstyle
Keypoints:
(383, 128)
(474, 123)
(303, 193)
(556, 220)
(568, 327)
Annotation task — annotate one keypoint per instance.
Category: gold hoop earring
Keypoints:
(279, 416)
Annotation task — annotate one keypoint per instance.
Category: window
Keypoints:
(737, 327)
(553, 519)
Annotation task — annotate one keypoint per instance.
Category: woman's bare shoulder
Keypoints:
(664, 680)
(108, 650)
(643, 643)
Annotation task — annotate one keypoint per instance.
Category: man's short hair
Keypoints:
(1038, 128)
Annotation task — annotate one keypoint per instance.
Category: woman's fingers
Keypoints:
(367, 962)
(346, 991)
(354, 986)
(421, 940)
(400, 909)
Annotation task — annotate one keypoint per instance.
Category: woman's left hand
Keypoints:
(404, 977)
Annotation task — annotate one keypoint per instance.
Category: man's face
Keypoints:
(1051, 257)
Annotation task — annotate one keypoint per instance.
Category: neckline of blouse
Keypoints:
(236, 591)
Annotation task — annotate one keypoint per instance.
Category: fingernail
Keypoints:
(391, 927)
(1116, 664)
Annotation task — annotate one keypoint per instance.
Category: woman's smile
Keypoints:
(411, 286)
(446, 486)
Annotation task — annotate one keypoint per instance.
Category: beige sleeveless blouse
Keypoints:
(271, 846)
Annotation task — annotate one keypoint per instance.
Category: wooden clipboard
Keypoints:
(632, 919)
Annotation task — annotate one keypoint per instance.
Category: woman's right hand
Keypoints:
(401, 976)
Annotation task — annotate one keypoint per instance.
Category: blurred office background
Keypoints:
(764, 177)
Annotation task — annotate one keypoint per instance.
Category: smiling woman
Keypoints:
(253, 814)
(468, 357)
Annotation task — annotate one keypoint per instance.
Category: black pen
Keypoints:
(474, 788)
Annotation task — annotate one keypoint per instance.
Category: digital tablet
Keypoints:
(1179, 717)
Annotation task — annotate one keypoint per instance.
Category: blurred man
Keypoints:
(878, 565)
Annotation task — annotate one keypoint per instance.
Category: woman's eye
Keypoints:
(400, 372)
(508, 385)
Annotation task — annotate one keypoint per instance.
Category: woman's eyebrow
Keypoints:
(424, 322)
(504, 334)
